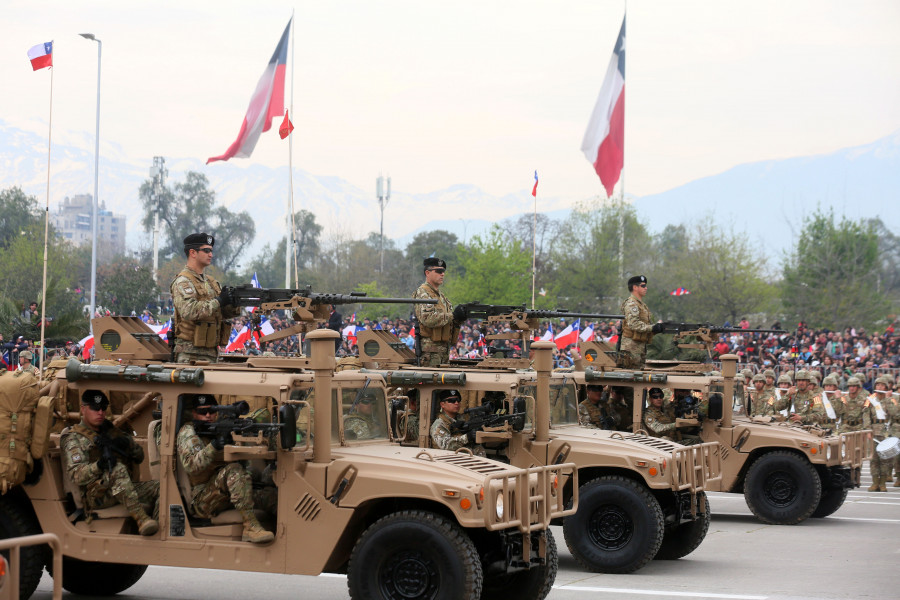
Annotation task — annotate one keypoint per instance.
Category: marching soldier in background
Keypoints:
(802, 403)
(215, 486)
(875, 417)
(769, 374)
(637, 330)
(832, 392)
(438, 324)
(102, 474)
(201, 307)
(853, 405)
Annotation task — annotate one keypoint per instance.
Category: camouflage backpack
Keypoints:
(24, 426)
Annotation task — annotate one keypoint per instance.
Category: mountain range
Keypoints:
(766, 200)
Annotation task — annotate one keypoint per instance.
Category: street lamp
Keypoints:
(383, 199)
(96, 210)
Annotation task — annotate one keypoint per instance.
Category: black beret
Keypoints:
(636, 280)
(432, 262)
(195, 240)
(95, 399)
(203, 400)
(449, 395)
(596, 387)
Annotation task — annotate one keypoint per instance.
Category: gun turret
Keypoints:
(706, 333)
(151, 373)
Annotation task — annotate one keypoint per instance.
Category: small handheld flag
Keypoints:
(679, 292)
(286, 126)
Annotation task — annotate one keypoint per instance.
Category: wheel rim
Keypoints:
(409, 574)
(610, 527)
(780, 489)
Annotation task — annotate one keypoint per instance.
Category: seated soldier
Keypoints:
(97, 457)
(412, 417)
(590, 411)
(618, 408)
(441, 435)
(360, 423)
(659, 421)
(215, 486)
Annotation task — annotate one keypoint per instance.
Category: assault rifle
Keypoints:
(230, 422)
(706, 333)
(113, 448)
(519, 319)
(484, 416)
(309, 308)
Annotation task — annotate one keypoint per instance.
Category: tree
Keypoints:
(189, 208)
(124, 286)
(830, 277)
(17, 213)
(493, 269)
(439, 243)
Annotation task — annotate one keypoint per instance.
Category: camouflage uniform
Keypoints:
(762, 403)
(198, 316)
(636, 333)
(437, 329)
(660, 422)
(29, 368)
(852, 409)
(103, 489)
(879, 468)
(412, 427)
(213, 486)
(443, 439)
(362, 426)
(590, 414)
(619, 412)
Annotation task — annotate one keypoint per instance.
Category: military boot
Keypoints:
(877, 485)
(881, 485)
(146, 525)
(253, 531)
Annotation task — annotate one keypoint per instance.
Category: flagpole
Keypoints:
(622, 189)
(534, 250)
(289, 222)
(46, 233)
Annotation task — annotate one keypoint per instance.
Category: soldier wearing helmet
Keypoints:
(769, 374)
(762, 401)
(25, 360)
(876, 416)
(853, 406)
(803, 402)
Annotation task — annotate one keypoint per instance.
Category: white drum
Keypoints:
(888, 448)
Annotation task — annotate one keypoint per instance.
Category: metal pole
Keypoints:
(96, 208)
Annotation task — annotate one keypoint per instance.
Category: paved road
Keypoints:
(852, 554)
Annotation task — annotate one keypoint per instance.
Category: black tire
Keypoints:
(88, 578)
(533, 584)
(782, 488)
(414, 554)
(15, 521)
(830, 501)
(618, 527)
(681, 540)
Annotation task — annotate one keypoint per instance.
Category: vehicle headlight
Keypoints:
(499, 506)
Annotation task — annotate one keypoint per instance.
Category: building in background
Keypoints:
(73, 222)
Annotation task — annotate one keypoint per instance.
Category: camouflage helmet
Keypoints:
(889, 377)
(860, 375)
(785, 378)
(26, 354)
(815, 375)
(769, 373)
(747, 373)
(831, 380)
(885, 380)
(759, 377)
(854, 381)
(740, 377)
(802, 375)
(715, 373)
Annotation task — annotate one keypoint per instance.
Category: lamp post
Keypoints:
(96, 210)
(383, 199)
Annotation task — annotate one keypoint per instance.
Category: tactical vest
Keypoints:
(201, 477)
(24, 426)
(203, 333)
(644, 315)
(436, 334)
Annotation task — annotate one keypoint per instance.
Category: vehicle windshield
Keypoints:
(563, 402)
(363, 413)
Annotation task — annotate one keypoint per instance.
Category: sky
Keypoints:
(479, 92)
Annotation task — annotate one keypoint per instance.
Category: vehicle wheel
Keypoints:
(88, 578)
(17, 522)
(681, 540)
(830, 501)
(782, 488)
(533, 584)
(414, 554)
(618, 527)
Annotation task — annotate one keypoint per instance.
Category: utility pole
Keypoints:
(383, 199)
(158, 175)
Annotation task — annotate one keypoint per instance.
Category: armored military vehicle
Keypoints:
(786, 472)
(639, 498)
(400, 522)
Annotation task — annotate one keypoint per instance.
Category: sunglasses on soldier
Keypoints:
(438, 270)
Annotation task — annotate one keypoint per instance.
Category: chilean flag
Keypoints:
(679, 292)
(534, 189)
(588, 334)
(254, 281)
(236, 342)
(162, 330)
(266, 104)
(548, 335)
(41, 56)
(86, 345)
(604, 140)
(569, 335)
(266, 329)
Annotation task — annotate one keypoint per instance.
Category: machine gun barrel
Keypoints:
(672, 327)
(553, 314)
(151, 373)
(247, 295)
(477, 310)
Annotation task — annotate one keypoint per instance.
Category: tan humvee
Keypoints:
(639, 498)
(401, 522)
(786, 472)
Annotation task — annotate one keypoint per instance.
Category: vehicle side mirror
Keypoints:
(288, 417)
(714, 411)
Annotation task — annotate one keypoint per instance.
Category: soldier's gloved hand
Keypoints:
(107, 463)
(226, 297)
(470, 435)
(218, 443)
(658, 328)
(460, 314)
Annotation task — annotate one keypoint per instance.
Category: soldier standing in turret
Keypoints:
(438, 324)
(637, 330)
(201, 307)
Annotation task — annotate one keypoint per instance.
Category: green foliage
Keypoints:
(124, 286)
(439, 243)
(17, 213)
(830, 280)
(496, 271)
(190, 208)
(376, 311)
